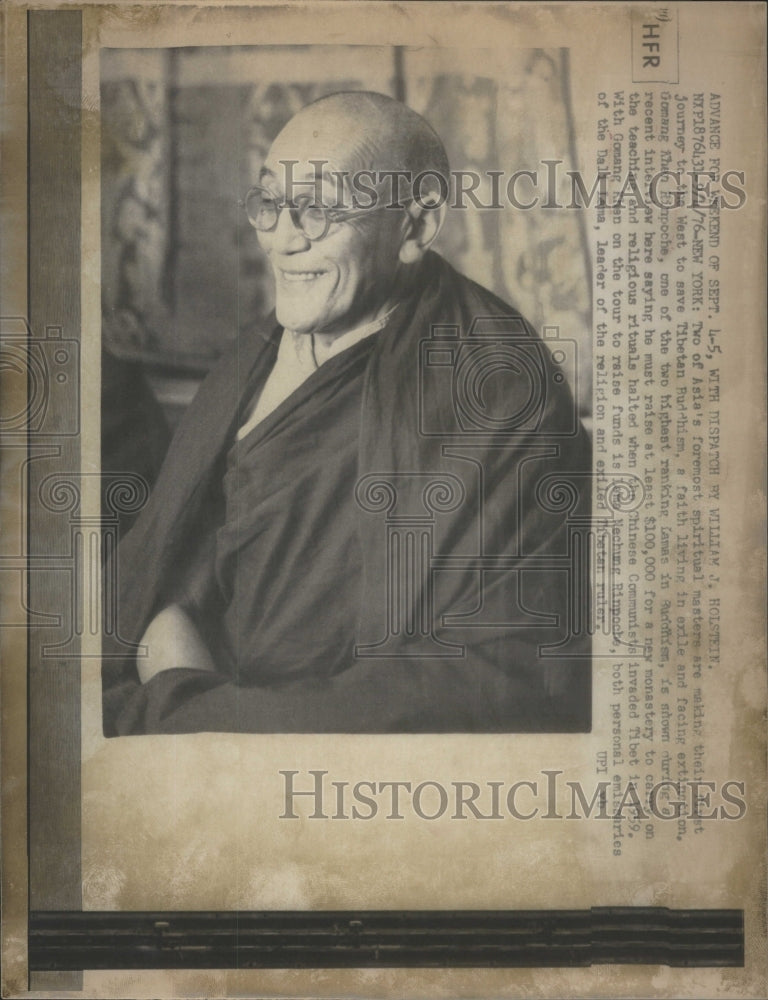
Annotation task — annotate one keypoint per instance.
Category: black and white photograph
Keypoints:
(382, 500)
(374, 515)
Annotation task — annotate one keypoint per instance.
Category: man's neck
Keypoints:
(325, 341)
(404, 282)
(325, 344)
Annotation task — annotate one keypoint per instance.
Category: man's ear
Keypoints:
(424, 223)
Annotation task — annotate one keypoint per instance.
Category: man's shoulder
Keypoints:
(458, 295)
(481, 293)
(481, 367)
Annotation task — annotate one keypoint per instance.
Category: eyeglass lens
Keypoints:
(263, 210)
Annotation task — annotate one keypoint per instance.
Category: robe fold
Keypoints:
(390, 550)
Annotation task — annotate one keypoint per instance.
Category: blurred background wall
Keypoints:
(184, 133)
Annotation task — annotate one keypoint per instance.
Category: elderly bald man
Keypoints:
(351, 532)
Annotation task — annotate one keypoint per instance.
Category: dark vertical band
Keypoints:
(54, 136)
(398, 74)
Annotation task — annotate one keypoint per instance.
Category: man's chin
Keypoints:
(301, 317)
(298, 324)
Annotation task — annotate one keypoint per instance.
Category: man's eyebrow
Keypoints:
(329, 179)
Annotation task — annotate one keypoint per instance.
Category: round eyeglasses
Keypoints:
(311, 217)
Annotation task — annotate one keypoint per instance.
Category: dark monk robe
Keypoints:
(362, 560)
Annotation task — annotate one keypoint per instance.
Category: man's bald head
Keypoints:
(344, 253)
(363, 130)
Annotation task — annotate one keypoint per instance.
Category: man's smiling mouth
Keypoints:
(301, 275)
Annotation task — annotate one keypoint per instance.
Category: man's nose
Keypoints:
(288, 237)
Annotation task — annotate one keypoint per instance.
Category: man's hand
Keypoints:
(172, 640)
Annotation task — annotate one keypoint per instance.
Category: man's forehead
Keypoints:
(344, 139)
(284, 173)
